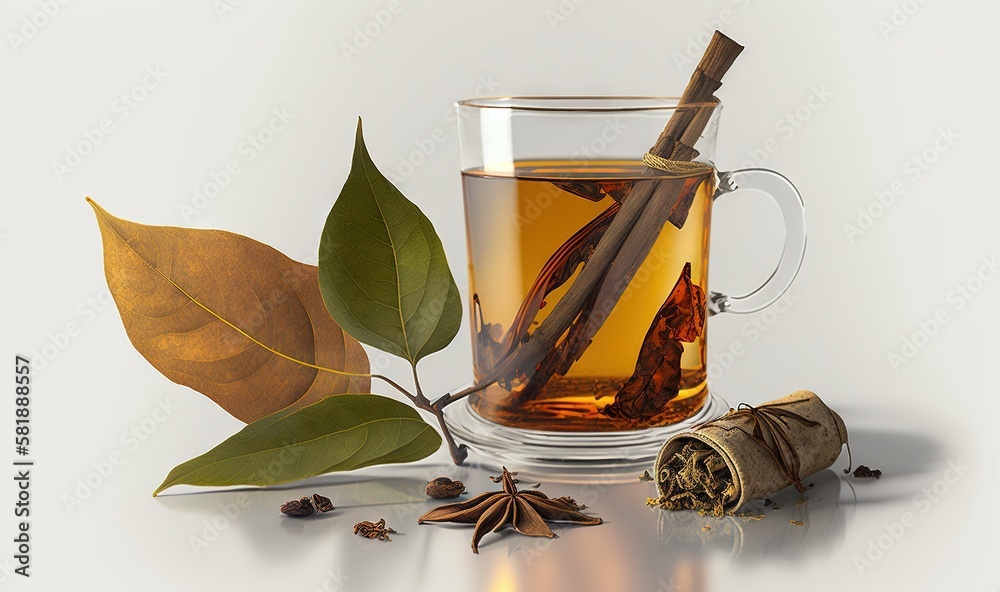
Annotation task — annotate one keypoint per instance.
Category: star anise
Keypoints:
(526, 511)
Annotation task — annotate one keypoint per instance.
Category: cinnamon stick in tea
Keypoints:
(631, 234)
(671, 200)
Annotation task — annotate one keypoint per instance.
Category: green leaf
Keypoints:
(338, 433)
(382, 271)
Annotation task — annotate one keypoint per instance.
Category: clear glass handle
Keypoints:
(781, 190)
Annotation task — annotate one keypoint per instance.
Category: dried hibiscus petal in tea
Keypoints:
(657, 376)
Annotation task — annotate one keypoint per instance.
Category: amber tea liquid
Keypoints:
(515, 222)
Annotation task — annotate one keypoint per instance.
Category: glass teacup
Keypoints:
(544, 178)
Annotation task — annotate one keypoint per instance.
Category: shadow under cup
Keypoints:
(543, 181)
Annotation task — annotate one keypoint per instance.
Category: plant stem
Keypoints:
(391, 383)
(416, 385)
(448, 398)
(459, 452)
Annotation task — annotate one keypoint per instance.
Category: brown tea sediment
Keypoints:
(568, 408)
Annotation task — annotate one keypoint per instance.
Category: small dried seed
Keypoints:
(795, 522)
(377, 530)
(323, 503)
(299, 508)
(863, 472)
(444, 488)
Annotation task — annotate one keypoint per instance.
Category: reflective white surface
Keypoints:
(870, 109)
(236, 539)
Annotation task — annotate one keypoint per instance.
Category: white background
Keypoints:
(895, 76)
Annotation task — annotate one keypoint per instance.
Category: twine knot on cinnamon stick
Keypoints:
(677, 167)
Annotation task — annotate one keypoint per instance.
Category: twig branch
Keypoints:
(459, 452)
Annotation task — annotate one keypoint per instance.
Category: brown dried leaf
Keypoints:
(228, 316)
(657, 375)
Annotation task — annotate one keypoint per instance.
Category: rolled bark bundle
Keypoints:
(747, 454)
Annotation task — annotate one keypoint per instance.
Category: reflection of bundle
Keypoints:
(748, 453)
(741, 538)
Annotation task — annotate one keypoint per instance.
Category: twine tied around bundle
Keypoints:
(677, 167)
(769, 423)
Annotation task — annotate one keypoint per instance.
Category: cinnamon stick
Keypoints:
(634, 229)
(671, 199)
(556, 271)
